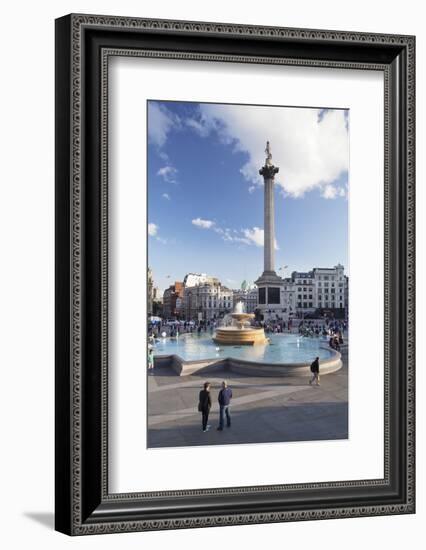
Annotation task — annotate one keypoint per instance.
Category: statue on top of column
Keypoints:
(269, 170)
(268, 154)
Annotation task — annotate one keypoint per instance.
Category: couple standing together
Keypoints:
(205, 403)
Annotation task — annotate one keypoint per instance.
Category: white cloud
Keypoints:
(168, 173)
(253, 236)
(160, 122)
(204, 224)
(152, 229)
(230, 235)
(310, 146)
(256, 236)
(331, 192)
(166, 196)
(153, 232)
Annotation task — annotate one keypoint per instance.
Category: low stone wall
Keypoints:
(248, 368)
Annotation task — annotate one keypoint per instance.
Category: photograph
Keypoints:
(248, 324)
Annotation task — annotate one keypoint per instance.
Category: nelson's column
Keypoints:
(269, 284)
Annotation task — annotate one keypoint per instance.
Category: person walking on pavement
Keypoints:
(224, 398)
(315, 372)
(204, 405)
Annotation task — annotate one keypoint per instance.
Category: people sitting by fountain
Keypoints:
(334, 343)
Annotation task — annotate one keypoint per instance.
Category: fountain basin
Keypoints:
(240, 333)
(246, 336)
(287, 355)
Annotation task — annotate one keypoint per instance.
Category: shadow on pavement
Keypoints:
(272, 424)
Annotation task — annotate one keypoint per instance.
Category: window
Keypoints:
(319, 298)
(310, 296)
(310, 304)
(299, 296)
(333, 290)
(274, 295)
(299, 304)
(304, 304)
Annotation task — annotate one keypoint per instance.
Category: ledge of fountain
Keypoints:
(248, 368)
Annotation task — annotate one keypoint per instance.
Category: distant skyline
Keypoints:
(205, 195)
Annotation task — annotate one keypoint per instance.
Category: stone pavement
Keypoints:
(263, 409)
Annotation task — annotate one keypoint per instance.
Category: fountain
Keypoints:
(240, 332)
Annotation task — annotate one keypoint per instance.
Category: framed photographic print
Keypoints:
(234, 274)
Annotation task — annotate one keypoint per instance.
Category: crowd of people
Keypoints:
(173, 329)
(332, 329)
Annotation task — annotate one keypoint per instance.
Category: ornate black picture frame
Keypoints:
(83, 45)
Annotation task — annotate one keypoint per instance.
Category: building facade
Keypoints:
(248, 296)
(150, 291)
(323, 290)
(289, 298)
(207, 301)
(304, 292)
(330, 286)
(170, 299)
(195, 279)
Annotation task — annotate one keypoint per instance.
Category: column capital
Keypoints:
(268, 171)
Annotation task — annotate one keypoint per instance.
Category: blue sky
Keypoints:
(205, 197)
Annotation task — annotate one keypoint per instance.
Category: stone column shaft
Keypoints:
(269, 227)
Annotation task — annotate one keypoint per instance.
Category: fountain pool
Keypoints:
(282, 348)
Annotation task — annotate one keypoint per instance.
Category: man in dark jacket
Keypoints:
(204, 405)
(225, 396)
(315, 371)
